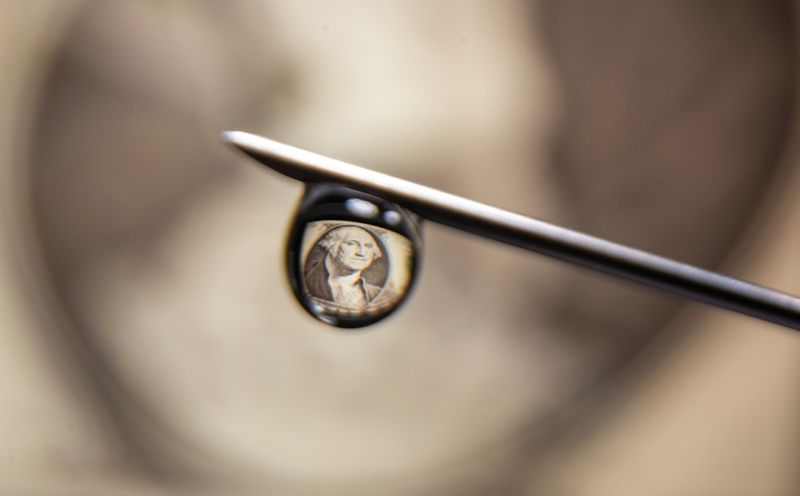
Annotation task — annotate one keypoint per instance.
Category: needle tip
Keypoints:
(231, 137)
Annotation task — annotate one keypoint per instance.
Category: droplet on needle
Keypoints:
(351, 258)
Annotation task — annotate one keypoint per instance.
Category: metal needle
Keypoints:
(525, 232)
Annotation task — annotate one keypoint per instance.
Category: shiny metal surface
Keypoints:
(532, 234)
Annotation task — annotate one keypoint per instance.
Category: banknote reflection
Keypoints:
(349, 268)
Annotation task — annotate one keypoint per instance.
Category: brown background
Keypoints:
(150, 343)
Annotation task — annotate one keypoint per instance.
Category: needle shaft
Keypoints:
(528, 233)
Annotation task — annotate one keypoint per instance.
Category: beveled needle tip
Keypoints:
(307, 166)
(294, 162)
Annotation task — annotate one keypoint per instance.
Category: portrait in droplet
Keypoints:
(350, 269)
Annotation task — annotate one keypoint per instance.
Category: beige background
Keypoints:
(151, 345)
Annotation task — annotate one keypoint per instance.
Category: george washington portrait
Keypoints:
(347, 270)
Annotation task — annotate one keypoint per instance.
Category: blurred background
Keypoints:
(150, 342)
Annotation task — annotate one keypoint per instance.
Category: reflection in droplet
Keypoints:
(361, 208)
(347, 270)
(351, 269)
(391, 217)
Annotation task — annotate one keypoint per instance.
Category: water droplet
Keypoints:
(351, 257)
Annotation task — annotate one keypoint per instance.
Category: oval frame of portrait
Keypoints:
(351, 258)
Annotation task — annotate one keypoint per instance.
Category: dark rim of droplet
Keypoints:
(331, 202)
